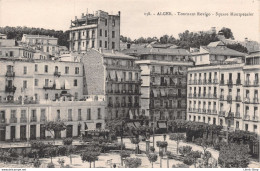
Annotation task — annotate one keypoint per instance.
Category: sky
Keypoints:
(57, 14)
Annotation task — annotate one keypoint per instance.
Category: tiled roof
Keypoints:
(215, 44)
(222, 50)
(169, 51)
(115, 54)
(39, 36)
(254, 54)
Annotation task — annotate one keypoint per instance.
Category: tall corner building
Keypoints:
(223, 88)
(164, 87)
(99, 30)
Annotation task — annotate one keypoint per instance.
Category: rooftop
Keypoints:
(39, 36)
(222, 50)
(159, 51)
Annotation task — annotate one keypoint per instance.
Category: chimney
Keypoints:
(246, 39)
(119, 13)
(82, 15)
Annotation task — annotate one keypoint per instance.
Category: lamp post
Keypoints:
(153, 130)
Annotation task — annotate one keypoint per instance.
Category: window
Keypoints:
(13, 113)
(76, 70)
(23, 113)
(105, 22)
(237, 124)
(93, 44)
(46, 96)
(100, 43)
(100, 32)
(153, 79)
(105, 33)
(43, 111)
(89, 114)
(105, 44)
(246, 127)
(93, 33)
(36, 82)
(99, 113)
(87, 34)
(46, 82)
(67, 70)
(113, 23)
(76, 95)
(113, 45)
(36, 67)
(46, 68)
(24, 84)
(25, 70)
(11, 53)
(79, 112)
(75, 83)
(113, 34)
(69, 114)
(58, 114)
(130, 76)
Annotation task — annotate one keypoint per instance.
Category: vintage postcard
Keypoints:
(129, 84)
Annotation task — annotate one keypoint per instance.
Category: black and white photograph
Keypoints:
(129, 84)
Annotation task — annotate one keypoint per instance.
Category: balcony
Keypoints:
(238, 82)
(190, 109)
(215, 81)
(195, 81)
(247, 100)
(229, 98)
(256, 83)
(123, 104)
(230, 83)
(195, 95)
(199, 110)
(221, 97)
(130, 104)
(237, 115)
(238, 98)
(33, 119)
(214, 111)
(210, 96)
(215, 96)
(47, 87)
(10, 89)
(199, 81)
(255, 118)
(43, 119)
(246, 117)
(230, 115)
(190, 95)
(110, 105)
(2, 120)
(13, 120)
(204, 110)
(136, 105)
(199, 95)
(204, 81)
(221, 114)
(209, 111)
(222, 82)
(123, 91)
(57, 74)
(255, 100)
(190, 82)
(23, 120)
(194, 110)
(10, 74)
(247, 83)
(70, 119)
(204, 95)
(210, 81)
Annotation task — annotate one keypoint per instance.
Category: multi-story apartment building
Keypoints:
(95, 31)
(115, 75)
(221, 92)
(41, 42)
(40, 79)
(26, 122)
(251, 91)
(164, 72)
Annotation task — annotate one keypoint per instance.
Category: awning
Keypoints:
(162, 125)
(66, 85)
(154, 93)
(119, 76)
(162, 92)
(57, 83)
(113, 75)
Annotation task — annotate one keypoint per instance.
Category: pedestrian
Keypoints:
(114, 166)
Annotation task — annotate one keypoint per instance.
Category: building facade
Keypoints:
(26, 122)
(163, 72)
(116, 76)
(225, 92)
(95, 31)
(33, 80)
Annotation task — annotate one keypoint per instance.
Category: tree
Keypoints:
(136, 141)
(177, 137)
(195, 155)
(38, 147)
(37, 163)
(227, 33)
(55, 126)
(124, 154)
(69, 147)
(133, 162)
(234, 155)
(185, 150)
(89, 156)
(204, 143)
(238, 47)
(152, 157)
(51, 151)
